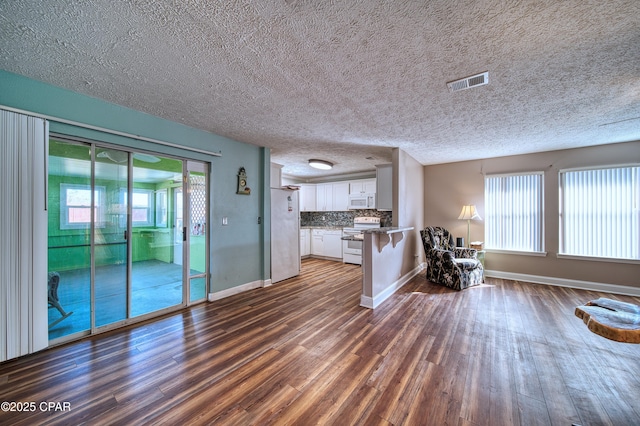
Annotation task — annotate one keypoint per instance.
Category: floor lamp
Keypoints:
(468, 213)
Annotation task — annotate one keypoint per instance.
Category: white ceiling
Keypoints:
(348, 81)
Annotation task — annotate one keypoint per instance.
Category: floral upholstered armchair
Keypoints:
(455, 267)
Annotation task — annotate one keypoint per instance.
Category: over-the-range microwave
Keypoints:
(362, 201)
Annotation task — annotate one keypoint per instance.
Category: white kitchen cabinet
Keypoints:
(384, 189)
(324, 197)
(307, 198)
(276, 175)
(340, 196)
(305, 242)
(362, 186)
(317, 242)
(332, 243)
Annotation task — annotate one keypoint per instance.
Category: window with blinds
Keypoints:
(514, 212)
(600, 212)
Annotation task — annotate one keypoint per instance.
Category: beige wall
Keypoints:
(447, 187)
(408, 209)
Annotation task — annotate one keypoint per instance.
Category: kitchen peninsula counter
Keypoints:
(382, 263)
(388, 230)
(328, 227)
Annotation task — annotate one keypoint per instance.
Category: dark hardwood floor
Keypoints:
(304, 352)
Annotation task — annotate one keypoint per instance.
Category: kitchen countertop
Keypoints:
(331, 228)
(387, 230)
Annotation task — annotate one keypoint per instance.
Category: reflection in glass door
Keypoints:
(157, 280)
(127, 236)
(178, 226)
(69, 236)
(110, 237)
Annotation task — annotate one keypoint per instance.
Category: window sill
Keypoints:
(519, 253)
(598, 259)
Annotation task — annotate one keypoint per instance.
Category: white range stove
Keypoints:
(352, 238)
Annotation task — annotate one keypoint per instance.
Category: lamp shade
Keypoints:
(469, 213)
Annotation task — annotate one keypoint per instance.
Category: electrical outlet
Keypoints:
(259, 220)
(225, 221)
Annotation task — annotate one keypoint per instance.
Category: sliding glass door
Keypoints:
(157, 280)
(72, 208)
(110, 237)
(119, 247)
(197, 191)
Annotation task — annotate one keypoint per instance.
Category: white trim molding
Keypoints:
(372, 303)
(598, 259)
(237, 290)
(563, 282)
(110, 131)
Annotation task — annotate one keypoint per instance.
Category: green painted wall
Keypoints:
(239, 252)
(69, 248)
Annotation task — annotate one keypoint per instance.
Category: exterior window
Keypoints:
(75, 206)
(514, 212)
(161, 208)
(600, 212)
(142, 206)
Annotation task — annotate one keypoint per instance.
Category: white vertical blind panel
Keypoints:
(601, 212)
(23, 227)
(514, 211)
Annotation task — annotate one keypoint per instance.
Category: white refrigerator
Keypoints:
(285, 234)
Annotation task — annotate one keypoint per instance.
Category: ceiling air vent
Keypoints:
(469, 82)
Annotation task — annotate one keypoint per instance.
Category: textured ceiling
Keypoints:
(348, 81)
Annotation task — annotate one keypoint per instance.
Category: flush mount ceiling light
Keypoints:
(321, 164)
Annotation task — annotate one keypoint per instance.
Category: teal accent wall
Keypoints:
(239, 252)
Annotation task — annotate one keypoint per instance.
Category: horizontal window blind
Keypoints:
(514, 212)
(600, 212)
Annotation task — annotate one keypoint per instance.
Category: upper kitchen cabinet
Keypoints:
(308, 198)
(276, 175)
(324, 197)
(340, 196)
(362, 186)
(332, 196)
(384, 190)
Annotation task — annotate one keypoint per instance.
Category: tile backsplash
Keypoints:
(342, 218)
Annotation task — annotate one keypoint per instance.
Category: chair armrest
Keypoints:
(445, 256)
(466, 253)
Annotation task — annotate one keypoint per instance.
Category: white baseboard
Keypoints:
(238, 289)
(563, 282)
(366, 301)
(373, 302)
